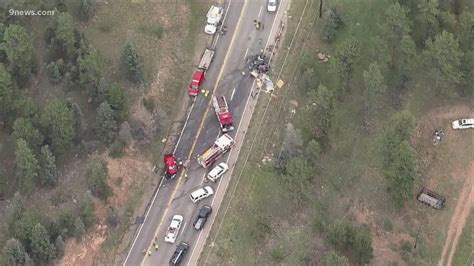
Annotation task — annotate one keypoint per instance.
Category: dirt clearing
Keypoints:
(458, 220)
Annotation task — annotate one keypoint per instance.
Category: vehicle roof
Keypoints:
(204, 210)
(226, 118)
(224, 140)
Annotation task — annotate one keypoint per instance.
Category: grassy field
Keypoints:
(259, 222)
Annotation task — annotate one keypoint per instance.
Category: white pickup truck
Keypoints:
(173, 229)
(214, 16)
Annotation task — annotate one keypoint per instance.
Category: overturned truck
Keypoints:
(430, 198)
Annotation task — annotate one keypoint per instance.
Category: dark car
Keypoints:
(179, 253)
(201, 219)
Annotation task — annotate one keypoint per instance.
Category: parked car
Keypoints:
(173, 229)
(201, 194)
(179, 253)
(202, 216)
(463, 123)
(217, 172)
(272, 5)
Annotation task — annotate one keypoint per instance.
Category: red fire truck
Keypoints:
(198, 77)
(171, 166)
(224, 116)
(219, 148)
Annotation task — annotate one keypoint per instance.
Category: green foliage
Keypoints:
(309, 80)
(299, 173)
(105, 122)
(319, 106)
(401, 173)
(346, 56)
(49, 172)
(362, 246)
(332, 258)
(23, 226)
(313, 151)
(41, 247)
(6, 91)
(118, 100)
(87, 209)
(19, 49)
(357, 239)
(428, 18)
(117, 149)
(113, 217)
(397, 25)
(86, 10)
(60, 246)
(399, 158)
(65, 34)
(132, 63)
(331, 24)
(374, 88)
(91, 68)
(405, 62)
(58, 120)
(14, 253)
(24, 129)
(467, 25)
(66, 221)
(26, 166)
(96, 171)
(278, 255)
(149, 103)
(442, 59)
(79, 228)
(54, 71)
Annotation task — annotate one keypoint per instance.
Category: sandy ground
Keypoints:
(458, 220)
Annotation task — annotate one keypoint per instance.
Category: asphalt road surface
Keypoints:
(202, 129)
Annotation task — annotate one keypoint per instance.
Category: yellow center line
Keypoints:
(198, 132)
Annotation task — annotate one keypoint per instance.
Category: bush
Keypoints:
(149, 104)
(331, 23)
(113, 217)
(117, 149)
(96, 171)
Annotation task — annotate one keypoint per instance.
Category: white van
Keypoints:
(201, 193)
(217, 172)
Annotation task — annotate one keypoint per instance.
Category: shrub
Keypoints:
(149, 104)
(117, 149)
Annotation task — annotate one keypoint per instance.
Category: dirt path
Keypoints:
(458, 220)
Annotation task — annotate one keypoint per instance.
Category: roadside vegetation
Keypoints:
(83, 110)
(464, 254)
(329, 175)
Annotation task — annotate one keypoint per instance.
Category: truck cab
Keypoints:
(171, 166)
(213, 16)
(198, 78)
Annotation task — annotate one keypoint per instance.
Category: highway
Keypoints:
(224, 77)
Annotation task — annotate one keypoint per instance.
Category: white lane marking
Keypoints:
(232, 95)
(177, 143)
(222, 24)
(246, 51)
(156, 194)
(184, 227)
(260, 11)
(237, 133)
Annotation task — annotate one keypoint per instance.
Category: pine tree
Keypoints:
(24, 129)
(48, 166)
(105, 122)
(60, 246)
(131, 62)
(26, 166)
(41, 247)
(14, 254)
